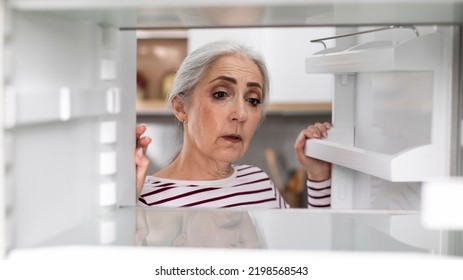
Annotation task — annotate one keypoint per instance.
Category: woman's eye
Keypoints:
(220, 94)
(254, 101)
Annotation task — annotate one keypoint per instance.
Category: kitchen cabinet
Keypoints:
(288, 81)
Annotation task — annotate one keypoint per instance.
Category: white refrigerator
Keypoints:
(68, 112)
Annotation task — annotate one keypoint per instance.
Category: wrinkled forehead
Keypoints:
(232, 62)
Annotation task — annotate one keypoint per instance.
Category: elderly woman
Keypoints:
(219, 97)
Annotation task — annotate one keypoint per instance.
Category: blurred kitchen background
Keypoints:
(160, 53)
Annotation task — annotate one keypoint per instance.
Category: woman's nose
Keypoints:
(239, 112)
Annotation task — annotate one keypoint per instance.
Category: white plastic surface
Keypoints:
(416, 164)
(108, 163)
(55, 164)
(373, 56)
(442, 204)
(108, 132)
(108, 69)
(65, 104)
(395, 91)
(107, 231)
(108, 194)
(9, 105)
(113, 100)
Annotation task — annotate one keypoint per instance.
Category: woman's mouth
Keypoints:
(233, 138)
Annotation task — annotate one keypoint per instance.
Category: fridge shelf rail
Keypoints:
(322, 40)
(411, 165)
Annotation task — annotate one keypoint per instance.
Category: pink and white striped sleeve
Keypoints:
(319, 194)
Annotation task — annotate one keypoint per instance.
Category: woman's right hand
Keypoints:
(317, 170)
(142, 162)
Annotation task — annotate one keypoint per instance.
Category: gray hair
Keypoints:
(197, 62)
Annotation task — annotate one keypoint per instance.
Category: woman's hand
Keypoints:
(141, 160)
(317, 170)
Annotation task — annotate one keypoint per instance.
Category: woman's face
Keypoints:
(225, 108)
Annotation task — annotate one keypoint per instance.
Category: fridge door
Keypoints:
(392, 114)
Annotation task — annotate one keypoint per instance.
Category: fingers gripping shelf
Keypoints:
(414, 164)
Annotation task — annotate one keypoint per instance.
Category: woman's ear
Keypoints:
(179, 109)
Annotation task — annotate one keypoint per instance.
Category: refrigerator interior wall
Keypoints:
(392, 116)
(3, 206)
(68, 106)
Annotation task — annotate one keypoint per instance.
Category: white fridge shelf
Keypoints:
(57, 105)
(376, 56)
(412, 165)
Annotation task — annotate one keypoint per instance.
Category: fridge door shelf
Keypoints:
(377, 56)
(412, 165)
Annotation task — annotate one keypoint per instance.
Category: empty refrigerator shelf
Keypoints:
(253, 229)
(42, 107)
(377, 56)
(412, 165)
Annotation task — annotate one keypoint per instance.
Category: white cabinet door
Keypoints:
(284, 50)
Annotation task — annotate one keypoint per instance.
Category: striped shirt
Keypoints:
(248, 186)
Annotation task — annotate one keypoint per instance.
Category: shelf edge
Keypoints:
(412, 165)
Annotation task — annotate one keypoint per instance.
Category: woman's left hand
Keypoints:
(141, 160)
(317, 170)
